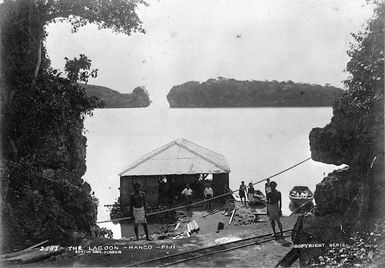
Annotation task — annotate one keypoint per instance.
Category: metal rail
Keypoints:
(206, 251)
(220, 251)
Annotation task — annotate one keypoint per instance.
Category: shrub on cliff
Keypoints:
(354, 196)
(355, 134)
(43, 147)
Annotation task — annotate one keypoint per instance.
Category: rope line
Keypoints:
(210, 199)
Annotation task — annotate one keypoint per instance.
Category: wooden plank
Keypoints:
(33, 255)
(9, 255)
(211, 212)
(232, 216)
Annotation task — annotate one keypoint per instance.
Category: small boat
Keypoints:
(300, 195)
(259, 198)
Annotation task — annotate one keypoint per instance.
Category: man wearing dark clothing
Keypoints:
(274, 206)
(250, 194)
(242, 192)
(138, 210)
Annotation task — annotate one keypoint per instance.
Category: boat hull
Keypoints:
(299, 195)
(299, 201)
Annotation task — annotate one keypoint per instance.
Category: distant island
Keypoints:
(114, 99)
(223, 92)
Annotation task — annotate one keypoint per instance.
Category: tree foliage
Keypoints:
(42, 113)
(79, 69)
(224, 92)
(356, 132)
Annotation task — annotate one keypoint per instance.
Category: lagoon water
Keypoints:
(257, 143)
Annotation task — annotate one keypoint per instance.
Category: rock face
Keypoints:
(350, 197)
(52, 202)
(114, 99)
(224, 92)
(345, 198)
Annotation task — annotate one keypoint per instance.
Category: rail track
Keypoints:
(207, 251)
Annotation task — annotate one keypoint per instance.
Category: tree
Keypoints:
(24, 24)
(355, 134)
(42, 113)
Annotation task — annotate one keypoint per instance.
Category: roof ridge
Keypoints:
(205, 158)
(150, 155)
(199, 151)
(201, 146)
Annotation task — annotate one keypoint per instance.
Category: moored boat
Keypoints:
(300, 195)
(259, 198)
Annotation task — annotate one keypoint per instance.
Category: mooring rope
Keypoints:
(209, 199)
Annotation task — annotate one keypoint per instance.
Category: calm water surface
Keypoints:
(257, 142)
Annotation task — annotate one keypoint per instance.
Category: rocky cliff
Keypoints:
(347, 200)
(114, 99)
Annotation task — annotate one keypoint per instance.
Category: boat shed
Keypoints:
(164, 173)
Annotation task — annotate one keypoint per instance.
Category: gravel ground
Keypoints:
(167, 241)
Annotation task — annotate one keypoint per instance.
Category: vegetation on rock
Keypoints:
(224, 92)
(114, 99)
(354, 195)
(42, 113)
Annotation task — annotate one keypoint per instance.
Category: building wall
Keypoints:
(175, 185)
(219, 181)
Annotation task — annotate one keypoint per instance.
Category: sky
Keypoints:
(299, 40)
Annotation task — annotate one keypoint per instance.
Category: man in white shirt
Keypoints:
(208, 193)
(187, 193)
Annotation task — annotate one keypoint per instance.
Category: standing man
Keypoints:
(250, 194)
(187, 193)
(242, 193)
(227, 192)
(138, 209)
(208, 193)
(274, 206)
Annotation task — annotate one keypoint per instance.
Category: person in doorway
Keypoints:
(274, 206)
(250, 194)
(208, 193)
(138, 209)
(227, 196)
(187, 194)
(242, 193)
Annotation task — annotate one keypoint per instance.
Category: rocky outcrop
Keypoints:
(345, 199)
(348, 198)
(114, 99)
(223, 92)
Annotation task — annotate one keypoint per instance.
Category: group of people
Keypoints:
(250, 193)
(273, 203)
(208, 194)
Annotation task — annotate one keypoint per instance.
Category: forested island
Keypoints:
(223, 92)
(114, 99)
